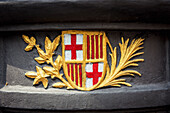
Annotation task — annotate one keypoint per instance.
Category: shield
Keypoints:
(84, 58)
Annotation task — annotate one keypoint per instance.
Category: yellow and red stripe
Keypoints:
(75, 73)
(94, 47)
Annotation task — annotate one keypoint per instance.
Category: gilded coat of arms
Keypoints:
(84, 60)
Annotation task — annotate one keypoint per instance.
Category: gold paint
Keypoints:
(30, 41)
(95, 60)
(70, 70)
(94, 47)
(40, 76)
(75, 61)
(78, 73)
(109, 76)
(84, 63)
(59, 85)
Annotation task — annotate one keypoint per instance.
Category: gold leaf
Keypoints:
(51, 71)
(55, 43)
(70, 87)
(133, 71)
(130, 71)
(116, 85)
(135, 60)
(45, 82)
(31, 74)
(118, 80)
(140, 53)
(114, 59)
(53, 76)
(107, 71)
(123, 73)
(33, 40)
(29, 47)
(41, 77)
(59, 85)
(48, 45)
(39, 60)
(40, 72)
(37, 80)
(48, 69)
(40, 52)
(58, 62)
(26, 38)
(125, 83)
(113, 82)
(137, 49)
(131, 64)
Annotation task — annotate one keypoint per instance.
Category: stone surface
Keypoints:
(128, 18)
(48, 11)
(150, 90)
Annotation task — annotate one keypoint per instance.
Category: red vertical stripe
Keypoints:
(72, 78)
(73, 43)
(101, 46)
(76, 74)
(88, 47)
(80, 75)
(97, 50)
(92, 43)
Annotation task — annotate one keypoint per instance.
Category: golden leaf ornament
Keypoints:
(39, 76)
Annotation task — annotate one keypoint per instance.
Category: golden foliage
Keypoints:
(30, 41)
(54, 71)
(127, 53)
(59, 85)
(39, 76)
(49, 48)
(47, 56)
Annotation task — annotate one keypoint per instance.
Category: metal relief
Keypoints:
(84, 60)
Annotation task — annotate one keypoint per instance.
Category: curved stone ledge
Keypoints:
(82, 26)
(47, 11)
(140, 96)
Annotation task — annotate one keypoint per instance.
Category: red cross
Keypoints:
(95, 74)
(73, 47)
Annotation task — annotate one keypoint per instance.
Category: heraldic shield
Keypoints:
(84, 58)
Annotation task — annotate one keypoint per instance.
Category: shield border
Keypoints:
(85, 33)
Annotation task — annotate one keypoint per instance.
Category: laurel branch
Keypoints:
(47, 71)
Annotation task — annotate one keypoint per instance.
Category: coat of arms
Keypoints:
(84, 60)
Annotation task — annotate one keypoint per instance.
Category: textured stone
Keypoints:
(150, 90)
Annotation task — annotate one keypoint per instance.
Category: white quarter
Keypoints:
(67, 39)
(79, 54)
(89, 67)
(79, 39)
(67, 55)
(100, 66)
